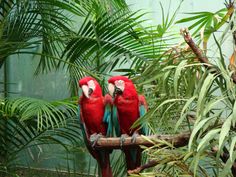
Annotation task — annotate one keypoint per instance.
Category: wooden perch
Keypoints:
(200, 55)
(177, 140)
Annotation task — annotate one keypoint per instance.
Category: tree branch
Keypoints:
(150, 164)
(177, 140)
(198, 52)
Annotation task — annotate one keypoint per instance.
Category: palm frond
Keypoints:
(47, 113)
(102, 45)
(18, 136)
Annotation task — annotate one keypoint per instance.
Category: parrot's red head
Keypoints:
(121, 85)
(90, 87)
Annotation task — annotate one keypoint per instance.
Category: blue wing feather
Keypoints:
(115, 121)
(142, 112)
(107, 120)
(111, 119)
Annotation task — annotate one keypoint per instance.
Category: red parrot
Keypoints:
(127, 108)
(93, 119)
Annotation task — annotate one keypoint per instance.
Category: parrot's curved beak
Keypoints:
(86, 91)
(111, 89)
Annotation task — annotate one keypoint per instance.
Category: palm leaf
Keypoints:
(47, 113)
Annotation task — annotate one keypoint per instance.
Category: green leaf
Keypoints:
(224, 130)
(234, 112)
(204, 89)
(222, 60)
(190, 18)
(177, 75)
(170, 101)
(232, 147)
(212, 104)
(210, 135)
(182, 115)
(196, 128)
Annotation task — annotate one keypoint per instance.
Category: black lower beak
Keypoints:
(117, 91)
(90, 91)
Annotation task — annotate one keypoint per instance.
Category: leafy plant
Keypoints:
(19, 134)
(194, 98)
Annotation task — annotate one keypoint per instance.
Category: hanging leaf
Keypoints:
(209, 136)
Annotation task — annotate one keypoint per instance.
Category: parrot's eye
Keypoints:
(119, 87)
(119, 83)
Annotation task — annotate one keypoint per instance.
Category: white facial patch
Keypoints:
(111, 89)
(91, 84)
(120, 84)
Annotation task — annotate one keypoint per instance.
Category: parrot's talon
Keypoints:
(122, 139)
(134, 137)
(94, 139)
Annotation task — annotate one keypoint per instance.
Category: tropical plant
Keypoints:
(28, 123)
(195, 97)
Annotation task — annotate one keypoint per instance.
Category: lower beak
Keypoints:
(90, 91)
(117, 91)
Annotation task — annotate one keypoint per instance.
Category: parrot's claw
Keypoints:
(122, 139)
(94, 139)
(134, 136)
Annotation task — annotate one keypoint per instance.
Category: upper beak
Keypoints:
(111, 89)
(85, 90)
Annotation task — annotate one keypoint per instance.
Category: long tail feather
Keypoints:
(133, 158)
(104, 163)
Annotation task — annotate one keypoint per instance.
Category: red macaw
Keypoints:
(93, 116)
(127, 108)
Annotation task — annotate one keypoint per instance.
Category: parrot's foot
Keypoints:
(94, 138)
(122, 139)
(134, 136)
